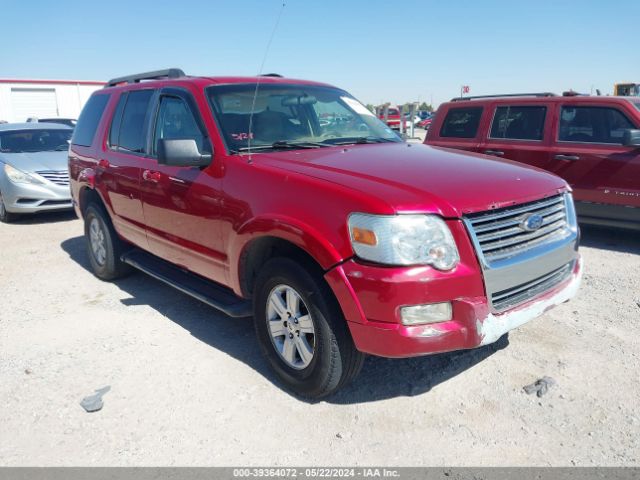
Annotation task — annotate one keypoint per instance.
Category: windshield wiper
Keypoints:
(362, 140)
(283, 145)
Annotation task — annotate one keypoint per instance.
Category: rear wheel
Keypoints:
(103, 245)
(301, 330)
(5, 216)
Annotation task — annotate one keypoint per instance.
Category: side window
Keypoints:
(592, 125)
(89, 119)
(131, 134)
(461, 122)
(518, 123)
(175, 121)
(114, 130)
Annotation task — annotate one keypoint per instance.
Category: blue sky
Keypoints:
(378, 50)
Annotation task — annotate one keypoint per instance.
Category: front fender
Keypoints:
(302, 235)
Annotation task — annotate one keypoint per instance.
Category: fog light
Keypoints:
(431, 313)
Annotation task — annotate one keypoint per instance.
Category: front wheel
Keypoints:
(301, 330)
(5, 216)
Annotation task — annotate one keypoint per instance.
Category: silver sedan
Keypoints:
(34, 174)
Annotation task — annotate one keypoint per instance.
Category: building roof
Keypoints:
(52, 82)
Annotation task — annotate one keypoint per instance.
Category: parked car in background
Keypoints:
(33, 168)
(393, 117)
(591, 142)
(69, 122)
(338, 238)
(411, 121)
(423, 114)
(425, 123)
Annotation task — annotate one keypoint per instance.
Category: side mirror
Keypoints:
(182, 153)
(631, 138)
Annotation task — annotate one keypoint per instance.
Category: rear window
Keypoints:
(131, 131)
(35, 140)
(89, 120)
(461, 122)
(519, 123)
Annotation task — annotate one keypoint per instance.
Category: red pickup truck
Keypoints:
(393, 118)
(591, 142)
(288, 201)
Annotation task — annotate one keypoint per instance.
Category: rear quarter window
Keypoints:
(130, 127)
(89, 119)
(461, 122)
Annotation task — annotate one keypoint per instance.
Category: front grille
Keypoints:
(513, 296)
(500, 234)
(59, 177)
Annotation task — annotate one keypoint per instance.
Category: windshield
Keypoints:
(27, 141)
(293, 116)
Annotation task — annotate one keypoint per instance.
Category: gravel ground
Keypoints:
(189, 387)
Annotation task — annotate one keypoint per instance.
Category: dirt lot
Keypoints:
(188, 386)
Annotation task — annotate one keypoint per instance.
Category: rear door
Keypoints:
(458, 127)
(517, 132)
(123, 158)
(587, 152)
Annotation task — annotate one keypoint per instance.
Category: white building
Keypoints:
(21, 99)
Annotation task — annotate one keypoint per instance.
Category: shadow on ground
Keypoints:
(380, 378)
(617, 240)
(45, 217)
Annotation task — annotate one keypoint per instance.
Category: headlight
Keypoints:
(403, 240)
(18, 176)
(572, 219)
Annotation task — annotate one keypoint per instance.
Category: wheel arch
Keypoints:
(268, 238)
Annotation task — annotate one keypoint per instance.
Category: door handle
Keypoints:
(570, 158)
(149, 176)
(497, 153)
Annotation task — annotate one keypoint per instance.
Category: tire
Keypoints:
(6, 217)
(104, 247)
(334, 360)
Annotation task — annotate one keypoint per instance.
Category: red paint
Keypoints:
(205, 219)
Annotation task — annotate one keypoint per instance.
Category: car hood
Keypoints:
(37, 161)
(421, 178)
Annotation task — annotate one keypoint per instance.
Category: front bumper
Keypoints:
(30, 198)
(472, 325)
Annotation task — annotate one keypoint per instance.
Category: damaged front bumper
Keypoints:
(473, 324)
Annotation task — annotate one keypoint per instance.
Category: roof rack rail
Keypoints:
(167, 73)
(541, 94)
(271, 75)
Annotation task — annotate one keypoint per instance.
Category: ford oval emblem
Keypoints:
(532, 222)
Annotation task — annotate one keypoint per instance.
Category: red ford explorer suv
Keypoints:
(338, 238)
(591, 142)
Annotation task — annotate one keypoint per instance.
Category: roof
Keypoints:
(7, 127)
(202, 82)
(540, 98)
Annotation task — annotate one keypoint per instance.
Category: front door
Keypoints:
(182, 204)
(588, 153)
